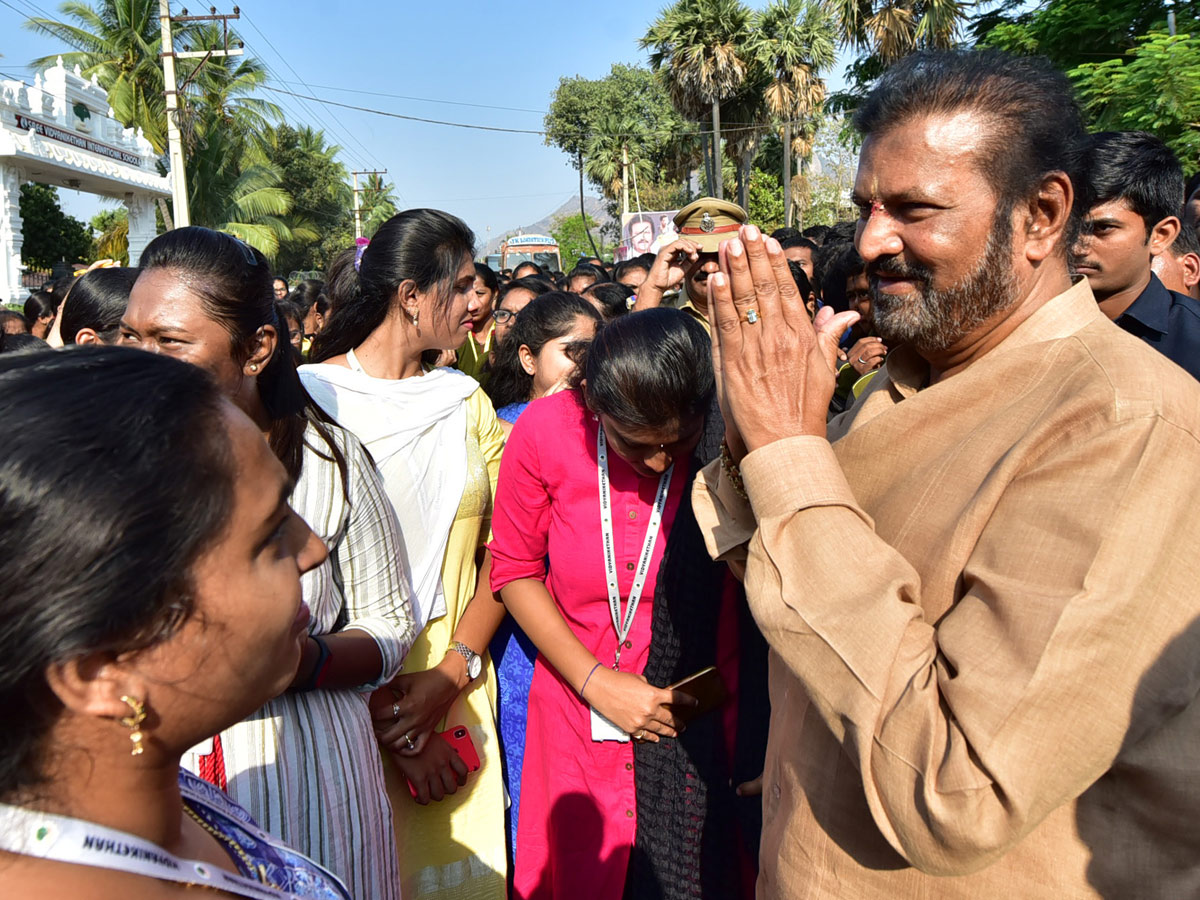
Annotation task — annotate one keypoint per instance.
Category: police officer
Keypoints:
(688, 261)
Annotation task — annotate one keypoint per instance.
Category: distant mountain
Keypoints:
(595, 207)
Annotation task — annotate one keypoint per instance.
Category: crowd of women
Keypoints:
(382, 588)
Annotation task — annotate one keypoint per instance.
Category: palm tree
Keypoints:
(747, 118)
(118, 42)
(699, 47)
(793, 40)
(235, 189)
(893, 28)
(378, 204)
(616, 140)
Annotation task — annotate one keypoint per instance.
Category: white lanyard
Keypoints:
(64, 839)
(623, 627)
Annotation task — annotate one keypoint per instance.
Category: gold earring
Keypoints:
(135, 722)
(253, 367)
(415, 314)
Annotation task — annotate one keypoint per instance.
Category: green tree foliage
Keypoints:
(112, 235)
(1155, 87)
(628, 107)
(1071, 33)
(1129, 73)
(573, 242)
(318, 183)
(883, 31)
(50, 234)
(764, 202)
(377, 204)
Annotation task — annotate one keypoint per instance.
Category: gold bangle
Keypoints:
(732, 472)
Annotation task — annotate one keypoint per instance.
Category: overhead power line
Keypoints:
(343, 129)
(732, 129)
(345, 90)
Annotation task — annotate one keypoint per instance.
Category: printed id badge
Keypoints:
(604, 730)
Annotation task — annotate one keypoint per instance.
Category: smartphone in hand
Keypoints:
(459, 738)
(707, 686)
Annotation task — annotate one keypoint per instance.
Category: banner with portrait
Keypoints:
(646, 232)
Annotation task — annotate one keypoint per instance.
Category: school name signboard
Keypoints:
(75, 140)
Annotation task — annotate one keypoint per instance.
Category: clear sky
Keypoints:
(491, 55)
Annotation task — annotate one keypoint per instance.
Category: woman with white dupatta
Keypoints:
(435, 438)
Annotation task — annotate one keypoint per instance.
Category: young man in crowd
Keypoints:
(800, 249)
(979, 583)
(1135, 187)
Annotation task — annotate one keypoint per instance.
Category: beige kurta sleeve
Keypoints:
(969, 731)
(725, 518)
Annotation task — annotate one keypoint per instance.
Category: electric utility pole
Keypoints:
(358, 206)
(173, 91)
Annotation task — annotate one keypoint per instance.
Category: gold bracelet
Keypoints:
(732, 472)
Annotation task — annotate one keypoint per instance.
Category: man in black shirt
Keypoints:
(1135, 187)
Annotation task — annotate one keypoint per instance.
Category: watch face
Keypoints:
(474, 666)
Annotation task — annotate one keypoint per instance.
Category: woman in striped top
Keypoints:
(305, 765)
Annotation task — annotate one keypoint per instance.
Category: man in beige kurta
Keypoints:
(981, 588)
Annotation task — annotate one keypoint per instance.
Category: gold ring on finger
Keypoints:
(751, 317)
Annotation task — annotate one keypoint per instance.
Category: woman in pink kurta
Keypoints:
(578, 806)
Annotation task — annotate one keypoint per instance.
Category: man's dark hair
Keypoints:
(1135, 167)
(785, 234)
(796, 240)
(1186, 241)
(801, 278)
(841, 233)
(23, 342)
(842, 262)
(816, 233)
(1193, 183)
(1036, 122)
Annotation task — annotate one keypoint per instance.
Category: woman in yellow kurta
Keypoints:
(437, 443)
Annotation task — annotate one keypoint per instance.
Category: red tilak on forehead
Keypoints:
(876, 206)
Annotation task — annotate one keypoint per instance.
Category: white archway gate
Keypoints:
(60, 131)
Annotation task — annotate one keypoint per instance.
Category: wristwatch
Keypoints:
(474, 662)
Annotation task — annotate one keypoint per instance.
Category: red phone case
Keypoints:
(459, 738)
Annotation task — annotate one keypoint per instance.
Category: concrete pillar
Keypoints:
(11, 235)
(141, 224)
